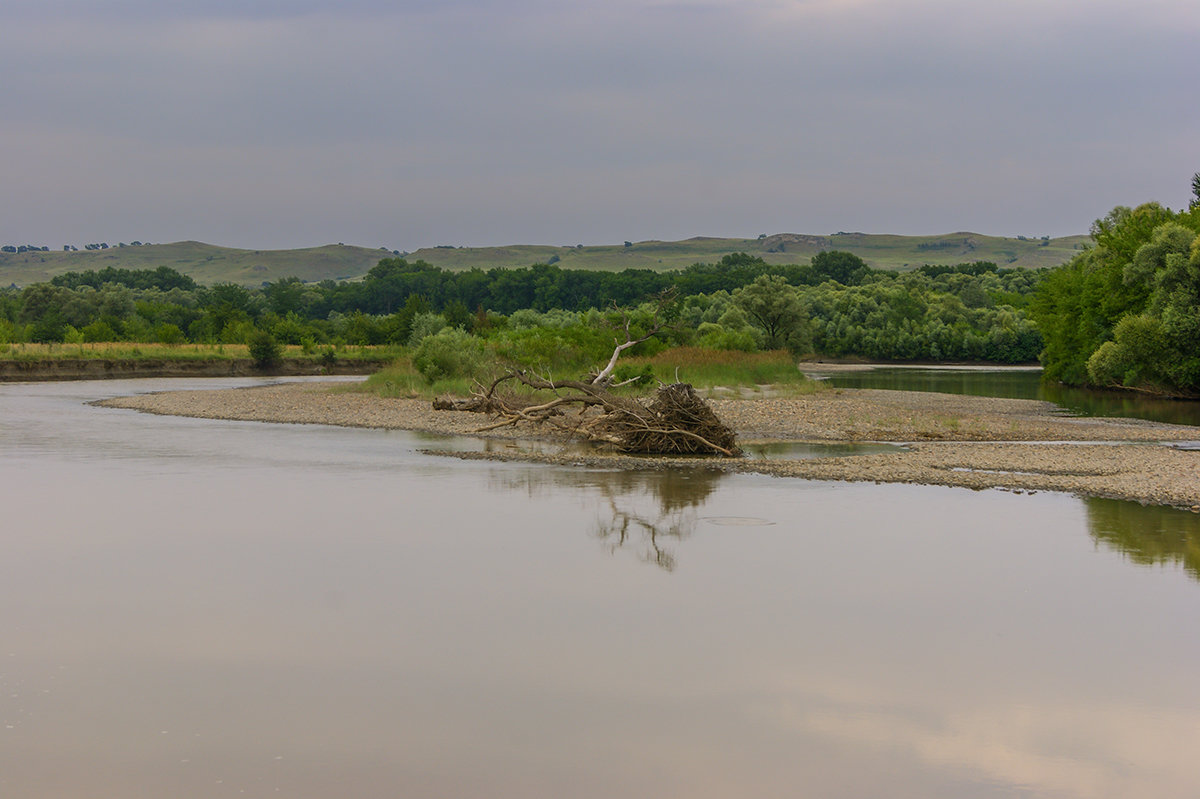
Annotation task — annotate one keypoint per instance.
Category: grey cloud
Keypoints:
(484, 122)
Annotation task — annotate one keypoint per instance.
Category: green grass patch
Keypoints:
(206, 263)
(402, 380)
(705, 368)
(143, 351)
(880, 251)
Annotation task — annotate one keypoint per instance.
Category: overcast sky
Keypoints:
(292, 123)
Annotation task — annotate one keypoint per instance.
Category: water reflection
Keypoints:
(1021, 383)
(803, 450)
(1149, 535)
(278, 610)
(645, 513)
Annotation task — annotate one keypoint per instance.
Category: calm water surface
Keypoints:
(192, 608)
(1020, 383)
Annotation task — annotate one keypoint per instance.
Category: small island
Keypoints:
(951, 440)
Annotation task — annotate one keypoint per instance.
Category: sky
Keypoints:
(270, 124)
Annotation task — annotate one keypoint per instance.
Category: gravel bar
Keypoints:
(954, 440)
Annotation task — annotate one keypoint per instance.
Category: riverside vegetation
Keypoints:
(543, 316)
(1124, 312)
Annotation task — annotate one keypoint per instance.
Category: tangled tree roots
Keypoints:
(676, 421)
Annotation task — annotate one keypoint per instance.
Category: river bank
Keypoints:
(25, 371)
(953, 440)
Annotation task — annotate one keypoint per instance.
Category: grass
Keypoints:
(206, 263)
(210, 264)
(707, 369)
(401, 380)
(704, 369)
(138, 351)
(880, 251)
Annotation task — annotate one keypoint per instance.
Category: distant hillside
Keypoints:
(210, 264)
(206, 263)
(880, 251)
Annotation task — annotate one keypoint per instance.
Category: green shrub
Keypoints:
(265, 350)
(168, 334)
(425, 325)
(448, 354)
(99, 331)
(717, 337)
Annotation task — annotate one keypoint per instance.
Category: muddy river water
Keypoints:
(194, 608)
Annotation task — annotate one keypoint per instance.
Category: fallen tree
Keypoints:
(674, 421)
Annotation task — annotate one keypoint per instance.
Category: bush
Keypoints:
(717, 337)
(99, 331)
(265, 350)
(169, 334)
(425, 325)
(448, 354)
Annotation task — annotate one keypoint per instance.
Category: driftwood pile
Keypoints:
(676, 421)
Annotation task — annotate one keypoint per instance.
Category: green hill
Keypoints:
(210, 264)
(206, 263)
(880, 251)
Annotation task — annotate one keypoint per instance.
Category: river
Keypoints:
(197, 608)
(1014, 382)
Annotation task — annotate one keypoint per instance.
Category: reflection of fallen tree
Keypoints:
(643, 512)
(678, 498)
(676, 421)
(626, 525)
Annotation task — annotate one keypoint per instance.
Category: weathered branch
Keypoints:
(657, 325)
(676, 421)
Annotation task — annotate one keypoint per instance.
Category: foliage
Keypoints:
(449, 353)
(265, 351)
(835, 306)
(1127, 312)
(706, 368)
(777, 309)
(844, 267)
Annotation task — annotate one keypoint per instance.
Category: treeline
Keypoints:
(836, 305)
(23, 248)
(1126, 313)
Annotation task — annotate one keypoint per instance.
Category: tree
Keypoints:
(1195, 203)
(776, 308)
(265, 350)
(844, 267)
(1078, 306)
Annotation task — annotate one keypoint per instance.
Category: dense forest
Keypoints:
(1126, 312)
(835, 305)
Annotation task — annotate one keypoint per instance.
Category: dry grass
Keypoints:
(134, 351)
(704, 368)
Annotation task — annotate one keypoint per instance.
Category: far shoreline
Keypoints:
(952, 440)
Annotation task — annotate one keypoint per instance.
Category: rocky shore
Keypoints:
(973, 442)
